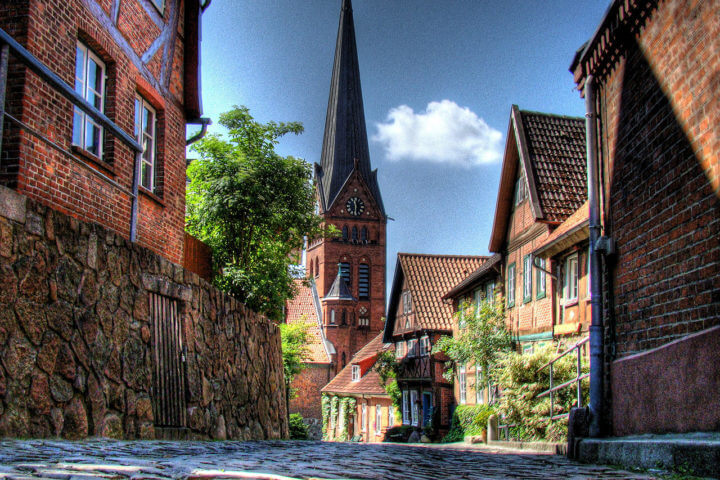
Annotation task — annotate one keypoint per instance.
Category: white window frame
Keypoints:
(527, 278)
(511, 284)
(541, 281)
(414, 407)
(356, 373)
(378, 419)
(391, 416)
(570, 277)
(424, 346)
(520, 190)
(407, 302)
(363, 418)
(462, 384)
(479, 389)
(490, 292)
(82, 88)
(406, 407)
(412, 348)
(400, 349)
(147, 140)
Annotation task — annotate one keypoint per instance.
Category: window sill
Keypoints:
(93, 160)
(151, 196)
(541, 296)
(527, 299)
(571, 303)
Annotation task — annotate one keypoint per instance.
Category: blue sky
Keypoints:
(450, 69)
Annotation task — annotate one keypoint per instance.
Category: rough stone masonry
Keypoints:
(79, 350)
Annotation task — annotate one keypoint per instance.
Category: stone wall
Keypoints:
(78, 348)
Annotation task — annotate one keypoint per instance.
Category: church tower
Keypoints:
(349, 270)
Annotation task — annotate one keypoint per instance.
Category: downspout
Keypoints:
(203, 122)
(597, 343)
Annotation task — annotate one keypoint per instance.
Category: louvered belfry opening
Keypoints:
(169, 402)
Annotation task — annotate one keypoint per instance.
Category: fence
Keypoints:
(504, 429)
(197, 257)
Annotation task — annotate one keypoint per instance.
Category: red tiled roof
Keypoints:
(556, 145)
(369, 383)
(302, 309)
(429, 278)
(489, 268)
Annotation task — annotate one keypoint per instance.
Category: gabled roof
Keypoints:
(345, 140)
(369, 383)
(304, 308)
(428, 277)
(490, 268)
(572, 231)
(551, 150)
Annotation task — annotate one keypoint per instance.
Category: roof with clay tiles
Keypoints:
(556, 145)
(369, 382)
(550, 150)
(572, 230)
(429, 278)
(302, 308)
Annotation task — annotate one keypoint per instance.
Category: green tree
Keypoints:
(387, 368)
(252, 207)
(295, 352)
(481, 338)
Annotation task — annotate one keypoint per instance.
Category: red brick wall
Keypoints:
(307, 385)
(660, 144)
(523, 237)
(50, 29)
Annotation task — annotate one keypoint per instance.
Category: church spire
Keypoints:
(345, 143)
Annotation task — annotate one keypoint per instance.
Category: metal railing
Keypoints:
(8, 45)
(579, 377)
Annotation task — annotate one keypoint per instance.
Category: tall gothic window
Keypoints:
(345, 273)
(364, 234)
(345, 233)
(364, 281)
(354, 234)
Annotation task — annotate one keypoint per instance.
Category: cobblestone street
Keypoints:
(97, 459)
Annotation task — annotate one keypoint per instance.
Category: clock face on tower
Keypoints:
(355, 206)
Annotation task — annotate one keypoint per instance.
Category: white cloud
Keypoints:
(443, 133)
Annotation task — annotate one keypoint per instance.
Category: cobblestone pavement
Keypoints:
(275, 460)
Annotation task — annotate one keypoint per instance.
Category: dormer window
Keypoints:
(355, 373)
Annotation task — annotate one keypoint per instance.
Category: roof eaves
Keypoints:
(504, 196)
(526, 160)
(393, 302)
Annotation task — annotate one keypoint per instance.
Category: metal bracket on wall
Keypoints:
(605, 246)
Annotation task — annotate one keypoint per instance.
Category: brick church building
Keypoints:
(346, 273)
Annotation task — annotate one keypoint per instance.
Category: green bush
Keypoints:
(468, 420)
(520, 384)
(298, 429)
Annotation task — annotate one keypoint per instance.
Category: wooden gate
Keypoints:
(169, 403)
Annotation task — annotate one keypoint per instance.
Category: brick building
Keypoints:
(417, 317)
(542, 183)
(137, 62)
(655, 81)
(347, 272)
(374, 411)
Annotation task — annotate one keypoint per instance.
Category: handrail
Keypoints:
(579, 376)
(29, 60)
(8, 43)
(570, 349)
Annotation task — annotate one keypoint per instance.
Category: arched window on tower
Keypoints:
(345, 233)
(346, 273)
(363, 235)
(354, 234)
(312, 263)
(343, 318)
(363, 281)
(317, 266)
(343, 360)
(332, 317)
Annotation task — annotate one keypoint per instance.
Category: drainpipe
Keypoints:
(597, 357)
(203, 122)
